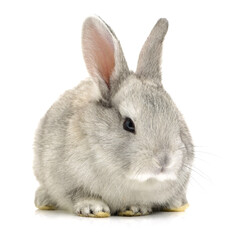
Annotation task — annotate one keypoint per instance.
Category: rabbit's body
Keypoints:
(87, 163)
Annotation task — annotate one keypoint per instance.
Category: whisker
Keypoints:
(198, 171)
(209, 153)
(195, 181)
(201, 159)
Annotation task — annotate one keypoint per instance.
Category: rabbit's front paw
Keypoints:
(176, 209)
(91, 208)
(135, 211)
(176, 205)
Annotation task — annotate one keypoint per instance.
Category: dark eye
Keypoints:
(128, 125)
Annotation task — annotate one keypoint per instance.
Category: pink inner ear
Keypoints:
(100, 52)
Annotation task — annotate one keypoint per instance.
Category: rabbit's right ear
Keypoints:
(103, 55)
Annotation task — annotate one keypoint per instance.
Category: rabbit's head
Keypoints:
(136, 129)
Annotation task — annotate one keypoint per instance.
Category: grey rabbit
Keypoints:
(116, 143)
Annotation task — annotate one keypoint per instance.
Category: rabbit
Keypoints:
(116, 144)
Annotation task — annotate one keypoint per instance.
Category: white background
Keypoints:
(40, 58)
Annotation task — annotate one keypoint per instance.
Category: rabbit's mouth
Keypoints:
(159, 175)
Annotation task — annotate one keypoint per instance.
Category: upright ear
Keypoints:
(103, 55)
(150, 56)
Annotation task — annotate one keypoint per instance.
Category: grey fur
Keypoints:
(85, 161)
(149, 61)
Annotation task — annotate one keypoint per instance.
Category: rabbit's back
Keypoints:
(51, 135)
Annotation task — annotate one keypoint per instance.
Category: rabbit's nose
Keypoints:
(163, 160)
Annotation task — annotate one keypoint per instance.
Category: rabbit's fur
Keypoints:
(86, 162)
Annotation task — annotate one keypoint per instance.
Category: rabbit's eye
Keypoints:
(128, 125)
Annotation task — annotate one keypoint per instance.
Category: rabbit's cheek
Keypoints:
(175, 161)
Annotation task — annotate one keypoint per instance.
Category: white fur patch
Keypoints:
(127, 110)
(160, 177)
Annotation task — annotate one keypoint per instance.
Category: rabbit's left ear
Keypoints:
(150, 56)
(103, 55)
